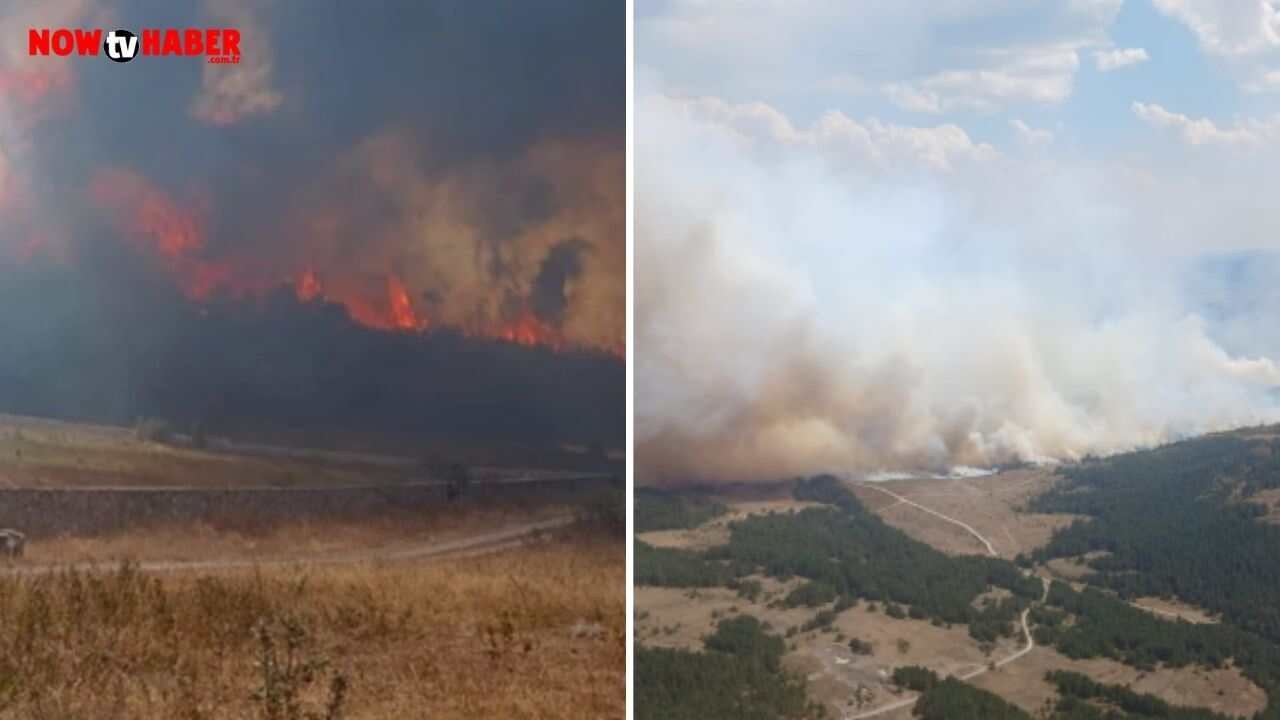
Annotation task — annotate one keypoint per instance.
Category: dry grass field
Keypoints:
(510, 608)
(37, 452)
(535, 632)
(303, 540)
(45, 453)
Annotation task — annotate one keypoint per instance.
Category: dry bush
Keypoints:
(493, 636)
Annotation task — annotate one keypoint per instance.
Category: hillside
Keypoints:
(1163, 585)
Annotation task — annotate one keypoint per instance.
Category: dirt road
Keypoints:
(1026, 629)
(968, 528)
(488, 542)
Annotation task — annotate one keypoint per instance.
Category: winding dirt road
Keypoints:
(1026, 629)
(505, 538)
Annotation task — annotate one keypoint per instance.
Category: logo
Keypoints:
(216, 45)
(121, 45)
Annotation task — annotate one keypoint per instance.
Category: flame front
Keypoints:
(403, 316)
(173, 235)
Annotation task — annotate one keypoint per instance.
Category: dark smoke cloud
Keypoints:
(560, 268)
(453, 145)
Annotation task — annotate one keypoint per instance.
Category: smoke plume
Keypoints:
(858, 297)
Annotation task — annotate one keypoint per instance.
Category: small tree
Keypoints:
(287, 673)
(860, 647)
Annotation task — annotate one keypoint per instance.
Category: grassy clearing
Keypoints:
(531, 633)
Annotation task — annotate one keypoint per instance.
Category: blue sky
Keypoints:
(1196, 58)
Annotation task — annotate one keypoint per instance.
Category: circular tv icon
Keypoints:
(120, 45)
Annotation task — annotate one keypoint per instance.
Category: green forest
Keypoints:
(665, 510)
(738, 675)
(952, 699)
(1175, 522)
(1079, 698)
(1172, 522)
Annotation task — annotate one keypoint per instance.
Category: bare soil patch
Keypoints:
(835, 673)
(1269, 499)
(716, 531)
(1074, 568)
(680, 618)
(1175, 609)
(990, 504)
(1224, 691)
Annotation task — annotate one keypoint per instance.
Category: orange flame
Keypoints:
(308, 286)
(528, 330)
(175, 236)
(160, 227)
(403, 316)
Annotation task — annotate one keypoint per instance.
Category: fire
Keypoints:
(308, 286)
(403, 316)
(161, 228)
(395, 312)
(528, 329)
(175, 236)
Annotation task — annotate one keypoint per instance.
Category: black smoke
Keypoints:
(559, 268)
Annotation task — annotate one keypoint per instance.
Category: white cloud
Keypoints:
(1203, 131)
(1228, 27)
(870, 143)
(1028, 135)
(1027, 53)
(1116, 58)
(1264, 81)
(1043, 75)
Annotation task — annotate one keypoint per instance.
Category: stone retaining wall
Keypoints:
(87, 511)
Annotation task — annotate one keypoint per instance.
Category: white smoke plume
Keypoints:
(854, 296)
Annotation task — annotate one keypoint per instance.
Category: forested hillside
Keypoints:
(662, 510)
(1176, 521)
(738, 676)
(847, 553)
